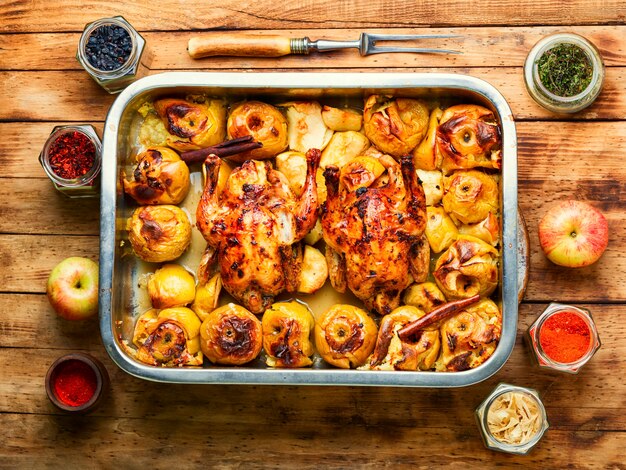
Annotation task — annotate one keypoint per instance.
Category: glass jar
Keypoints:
(136, 65)
(551, 101)
(86, 185)
(482, 412)
(539, 355)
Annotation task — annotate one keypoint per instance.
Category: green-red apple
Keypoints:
(73, 288)
(573, 234)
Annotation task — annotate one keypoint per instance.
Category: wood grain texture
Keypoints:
(542, 183)
(145, 424)
(60, 216)
(134, 398)
(542, 148)
(486, 46)
(45, 96)
(245, 420)
(72, 15)
(28, 259)
(28, 321)
(49, 442)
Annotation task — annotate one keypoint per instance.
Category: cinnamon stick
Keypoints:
(441, 312)
(222, 150)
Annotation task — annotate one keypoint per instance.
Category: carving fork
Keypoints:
(220, 44)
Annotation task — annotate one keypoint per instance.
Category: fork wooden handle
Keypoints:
(228, 44)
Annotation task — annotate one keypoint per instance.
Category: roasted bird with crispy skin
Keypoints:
(254, 225)
(376, 235)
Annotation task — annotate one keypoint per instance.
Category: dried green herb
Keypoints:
(565, 70)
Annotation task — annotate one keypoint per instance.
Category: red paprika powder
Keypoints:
(71, 155)
(565, 337)
(74, 382)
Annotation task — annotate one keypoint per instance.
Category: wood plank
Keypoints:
(33, 338)
(28, 259)
(602, 142)
(21, 161)
(34, 206)
(28, 321)
(553, 167)
(31, 441)
(543, 181)
(72, 15)
(493, 46)
(46, 96)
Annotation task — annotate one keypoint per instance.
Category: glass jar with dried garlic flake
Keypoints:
(512, 419)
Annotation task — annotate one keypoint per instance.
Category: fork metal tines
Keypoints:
(367, 44)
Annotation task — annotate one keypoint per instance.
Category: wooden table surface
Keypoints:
(143, 424)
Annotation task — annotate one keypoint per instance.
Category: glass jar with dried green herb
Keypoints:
(564, 73)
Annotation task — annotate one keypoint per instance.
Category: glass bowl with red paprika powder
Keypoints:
(564, 338)
(71, 157)
(76, 383)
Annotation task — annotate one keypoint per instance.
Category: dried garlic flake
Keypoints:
(514, 418)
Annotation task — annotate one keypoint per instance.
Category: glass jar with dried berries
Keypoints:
(113, 53)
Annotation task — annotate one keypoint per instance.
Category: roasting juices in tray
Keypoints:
(298, 233)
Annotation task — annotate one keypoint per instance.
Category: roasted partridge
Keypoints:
(253, 227)
(375, 235)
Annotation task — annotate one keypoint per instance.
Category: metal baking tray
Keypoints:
(120, 271)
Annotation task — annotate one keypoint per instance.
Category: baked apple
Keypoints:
(343, 147)
(159, 233)
(488, 230)
(193, 123)
(231, 335)
(417, 352)
(159, 177)
(470, 337)
(342, 119)
(395, 125)
(173, 339)
(468, 136)
(426, 155)
(432, 182)
(424, 295)
(293, 166)
(314, 271)
(470, 195)
(287, 330)
(207, 297)
(307, 129)
(440, 229)
(467, 268)
(171, 286)
(345, 336)
(264, 122)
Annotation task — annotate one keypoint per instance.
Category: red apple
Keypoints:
(573, 234)
(73, 288)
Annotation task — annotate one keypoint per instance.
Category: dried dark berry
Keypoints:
(108, 47)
